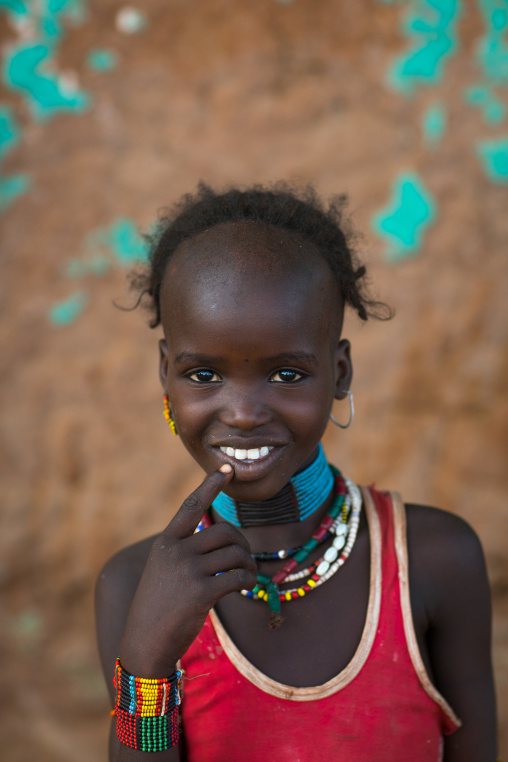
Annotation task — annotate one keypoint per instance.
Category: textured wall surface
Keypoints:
(110, 112)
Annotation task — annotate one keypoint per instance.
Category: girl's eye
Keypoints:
(204, 376)
(286, 376)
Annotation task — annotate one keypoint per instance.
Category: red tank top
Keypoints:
(381, 708)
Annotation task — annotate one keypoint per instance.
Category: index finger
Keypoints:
(190, 513)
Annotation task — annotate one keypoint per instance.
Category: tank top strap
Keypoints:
(396, 619)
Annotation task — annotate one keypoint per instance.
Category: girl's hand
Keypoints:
(181, 583)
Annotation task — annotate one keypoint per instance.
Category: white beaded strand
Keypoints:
(327, 569)
(341, 531)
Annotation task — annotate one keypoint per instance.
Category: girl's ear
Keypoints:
(163, 364)
(343, 369)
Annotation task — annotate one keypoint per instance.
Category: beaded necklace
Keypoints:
(325, 567)
(305, 492)
(342, 521)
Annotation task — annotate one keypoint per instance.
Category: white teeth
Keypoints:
(253, 454)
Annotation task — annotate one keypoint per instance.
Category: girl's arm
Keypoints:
(152, 599)
(448, 577)
(114, 592)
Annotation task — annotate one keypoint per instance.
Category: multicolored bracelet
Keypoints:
(147, 710)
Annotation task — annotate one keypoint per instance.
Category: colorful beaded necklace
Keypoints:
(280, 555)
(268, 588)
(339, 521)
(319, 573)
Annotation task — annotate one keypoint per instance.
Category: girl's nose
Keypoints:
(245, 410)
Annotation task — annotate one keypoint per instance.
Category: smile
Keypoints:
(253, 454)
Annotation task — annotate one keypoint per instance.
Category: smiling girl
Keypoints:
(306, 617)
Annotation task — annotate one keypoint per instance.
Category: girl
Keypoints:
(306, 617)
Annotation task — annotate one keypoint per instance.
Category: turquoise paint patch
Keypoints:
(492, 56)
(492, 51)
(484, 98)
(29, 67)
(9, 130)
(402, 223)
(45, 93)
(117, 244)
(121, 239)
(67, 311)
(12, 187)
(434, 124)
(14, 7)
(102, 60)
(15, 185)
(494, 154)
(431, 27)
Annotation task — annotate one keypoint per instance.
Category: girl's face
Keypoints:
(252, 357)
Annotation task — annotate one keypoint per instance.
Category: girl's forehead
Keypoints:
(248, 272)
(243, 250)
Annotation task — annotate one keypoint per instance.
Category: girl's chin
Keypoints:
(254, 475)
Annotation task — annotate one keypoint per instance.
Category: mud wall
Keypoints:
(110, 112)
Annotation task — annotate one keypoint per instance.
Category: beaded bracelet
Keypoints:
(147, 710)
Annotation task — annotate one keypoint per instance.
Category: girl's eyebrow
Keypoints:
(185, 357)
(287, 357)
(280, 359)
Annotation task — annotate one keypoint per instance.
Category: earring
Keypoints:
(351, 415)
(168, 415)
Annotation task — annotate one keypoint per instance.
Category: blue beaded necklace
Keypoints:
(299, 499)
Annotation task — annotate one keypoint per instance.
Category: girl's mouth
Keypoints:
(247, 456)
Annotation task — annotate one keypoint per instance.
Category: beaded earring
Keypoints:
(168, 415)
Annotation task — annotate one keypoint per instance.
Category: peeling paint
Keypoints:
(14, 185)
(494, 155)
(492, 50)
(117, 244)
(434, 124)
(30, 64)
(430, 26)
(485, 98)
(120, 241)
(402, 223)
(102, 60)
(66, 312)
(26, 70)
(492, 56)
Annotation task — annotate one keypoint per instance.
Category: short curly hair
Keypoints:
(281, 206)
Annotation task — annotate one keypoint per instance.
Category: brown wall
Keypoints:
(229, 92)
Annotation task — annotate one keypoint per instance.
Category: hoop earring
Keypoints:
(168, 415)
(351, 415)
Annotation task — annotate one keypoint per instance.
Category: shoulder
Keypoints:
(450, 592)
(115, 588)
(444, 554)
(436, 534)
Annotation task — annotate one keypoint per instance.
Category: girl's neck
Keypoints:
(270, 526)
(275, 537)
